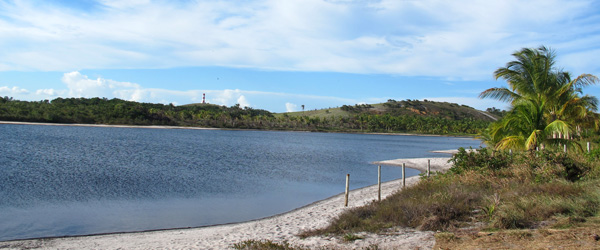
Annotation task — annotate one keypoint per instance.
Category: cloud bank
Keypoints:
(458, 40)
(80, 85)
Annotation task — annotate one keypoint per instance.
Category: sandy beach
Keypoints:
(279, 228)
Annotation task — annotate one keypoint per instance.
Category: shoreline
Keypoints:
(205, 128)
(103, 125)
(277, 228)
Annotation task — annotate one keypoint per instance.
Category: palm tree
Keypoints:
(568, 105)
(525, 127)
(528, 77)
(545, 101)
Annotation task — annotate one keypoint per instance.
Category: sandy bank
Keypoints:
(100, 125)
(437, 164)
(278, 228)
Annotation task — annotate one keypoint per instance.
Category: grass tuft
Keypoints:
(264, 245)
(352, 237)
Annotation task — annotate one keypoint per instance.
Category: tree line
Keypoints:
(121, 112)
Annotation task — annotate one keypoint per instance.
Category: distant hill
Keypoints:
(422, 117)
(425, 108)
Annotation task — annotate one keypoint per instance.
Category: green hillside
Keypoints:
(423, 108)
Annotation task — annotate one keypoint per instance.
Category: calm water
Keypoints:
(57, 180)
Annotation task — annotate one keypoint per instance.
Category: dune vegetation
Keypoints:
(536, 185)
(488, 200)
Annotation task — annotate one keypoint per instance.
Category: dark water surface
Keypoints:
(62, 180)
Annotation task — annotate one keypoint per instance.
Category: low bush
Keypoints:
(435, 204)
(493, 189)
(594, 154)
(481, 159)
(264, 245)
(531, 204)
(571, 167)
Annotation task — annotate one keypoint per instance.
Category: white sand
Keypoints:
(278, 228)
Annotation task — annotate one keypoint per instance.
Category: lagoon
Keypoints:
(63, 180)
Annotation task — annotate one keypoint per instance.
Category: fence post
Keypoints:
(428, 167)
(565, 146)
(347, 189)
(379, 183)
(403, 174)
(588, 147)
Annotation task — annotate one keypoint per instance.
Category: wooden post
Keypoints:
(428, 168)
(565, 146)
(379, 183)
(588, 147)
(347, 189)
(403, 175)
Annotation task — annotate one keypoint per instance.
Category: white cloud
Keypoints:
(243, 102)
(477, 103)
(465, 40)
(50, 92)
(119, 4)
(80, 85)
(14, 91)
(290, 107)
(228, 97)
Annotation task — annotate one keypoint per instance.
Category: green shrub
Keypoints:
(264, 245)
(567, 166)
(434, 204)
(479, 160)
(351, 237)
(594, 154)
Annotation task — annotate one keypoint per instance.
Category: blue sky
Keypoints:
(278, 55)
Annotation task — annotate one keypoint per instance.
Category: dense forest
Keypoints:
(360, 118)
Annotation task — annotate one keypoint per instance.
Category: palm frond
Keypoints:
(500, 94)
(534, 139)
(511, 142)
(585, 80)
(557, 126)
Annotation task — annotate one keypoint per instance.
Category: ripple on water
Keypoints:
(60, 180)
